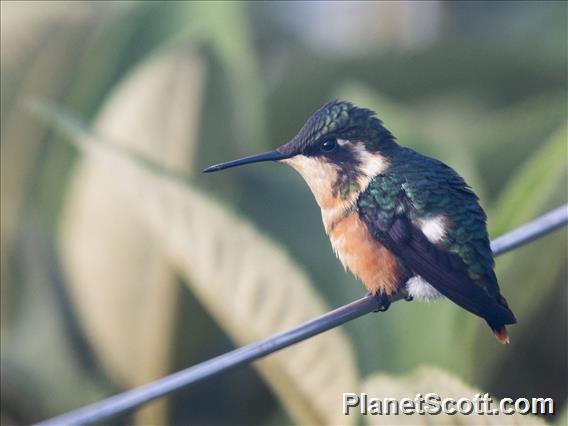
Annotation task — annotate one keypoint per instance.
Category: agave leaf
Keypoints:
(122, 284)
(426, 380)
(248, 283)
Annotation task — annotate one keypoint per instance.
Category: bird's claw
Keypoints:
(383, 301)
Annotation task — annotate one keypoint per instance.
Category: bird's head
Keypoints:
(338, 151)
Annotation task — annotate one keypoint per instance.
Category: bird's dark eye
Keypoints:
(328, 145)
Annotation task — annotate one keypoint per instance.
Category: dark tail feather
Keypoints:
(500, 332)
(499, 329)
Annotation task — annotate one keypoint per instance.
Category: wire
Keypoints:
(544, 224)
(132, 399)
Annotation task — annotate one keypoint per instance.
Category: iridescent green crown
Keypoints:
(343, 120)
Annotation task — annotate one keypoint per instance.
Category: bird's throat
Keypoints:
(326, 181)
(337, 187)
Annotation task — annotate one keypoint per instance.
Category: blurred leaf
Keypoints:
(426, 380)
(25, 378)
(247, 282)
(563, 418)
(482, 100)
(226, 26)
(529, 276)
(505, 138)
(25, 26)
(539, 185)
(32, 35)
(254, 290)
(532, 185)
(124, 287)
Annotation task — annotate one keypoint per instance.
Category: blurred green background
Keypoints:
(113, 273)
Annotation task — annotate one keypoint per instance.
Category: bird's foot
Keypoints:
(383, 301)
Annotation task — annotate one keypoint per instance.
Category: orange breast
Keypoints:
(370, 261)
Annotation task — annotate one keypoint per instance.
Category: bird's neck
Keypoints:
(336, 188)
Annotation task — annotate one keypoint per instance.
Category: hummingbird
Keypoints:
(401, 222)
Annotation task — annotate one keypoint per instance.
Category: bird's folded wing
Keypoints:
(445, 271)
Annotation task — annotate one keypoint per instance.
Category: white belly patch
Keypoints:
(421, 290)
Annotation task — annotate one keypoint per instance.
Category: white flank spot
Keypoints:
(421, 290)
(434, 228)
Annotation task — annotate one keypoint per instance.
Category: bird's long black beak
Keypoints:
(265, 156)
